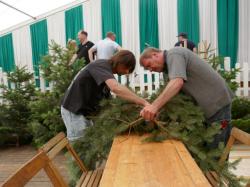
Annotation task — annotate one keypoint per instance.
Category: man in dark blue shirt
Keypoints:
(184, 42)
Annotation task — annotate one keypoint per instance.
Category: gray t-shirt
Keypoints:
(201, 81)
(88, 88)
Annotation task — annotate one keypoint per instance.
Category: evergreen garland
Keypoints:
(180, 119)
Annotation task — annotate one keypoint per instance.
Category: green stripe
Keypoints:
(7, 61)
(228, 21)
(188, 19)
(148, 24)
(111, 18)
(39, 41)
(73, 22)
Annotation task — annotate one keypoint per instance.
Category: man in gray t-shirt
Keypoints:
(189, 73)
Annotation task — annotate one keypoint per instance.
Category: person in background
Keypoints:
(71, 44)
(184, 42)
(105, 48)
(83, 47)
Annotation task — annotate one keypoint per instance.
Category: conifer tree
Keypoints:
(14, 110)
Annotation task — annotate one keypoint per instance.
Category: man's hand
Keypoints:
(149, 112)
(73, 59)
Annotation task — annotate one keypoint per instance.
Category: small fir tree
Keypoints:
(14, 110)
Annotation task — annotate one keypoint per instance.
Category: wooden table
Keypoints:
(132, 163)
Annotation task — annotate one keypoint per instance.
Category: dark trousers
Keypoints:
(223, 116)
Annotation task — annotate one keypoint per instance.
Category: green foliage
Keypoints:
(241, 114)
(217, 63)
(14, 110)
(243, 124)
(179, 119)
(240, 108)
(46, 119)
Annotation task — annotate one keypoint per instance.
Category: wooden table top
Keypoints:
(132, 163)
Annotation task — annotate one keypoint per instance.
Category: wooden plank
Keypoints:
(110, 168)
(211, 179)
(87, 178)
(57, 148)
(52, 142)
(236, 134)
(92, 178)
(54, 175)
(241, 136)
(175, 170)
(98, 178)
(76, 157)
(27, 171)
(79, 183)
(193, 170)
(133, 163)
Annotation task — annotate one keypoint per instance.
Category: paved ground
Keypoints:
(243, 152)
(12, 158)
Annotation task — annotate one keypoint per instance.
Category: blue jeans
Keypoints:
(224, 134)
(75, 124)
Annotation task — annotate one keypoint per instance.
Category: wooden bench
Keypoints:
(43, 160)
(236, 134)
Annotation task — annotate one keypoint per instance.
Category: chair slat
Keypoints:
(80, 181)
(52, 142)
(92, 179)
(211, 179)
(241, 136)
(57, 148)
(76, 157)
(87, 178)
(98, 178)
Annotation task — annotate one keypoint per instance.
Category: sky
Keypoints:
(10, 17)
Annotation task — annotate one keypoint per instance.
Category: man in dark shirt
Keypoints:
(83, 47)
(184, 42)
(90, 86)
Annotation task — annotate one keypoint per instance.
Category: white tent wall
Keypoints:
(56, 28)
(130, 29)
(208, 22)
(92, 19)
(22, 47)
(244, 32)
(167, 19)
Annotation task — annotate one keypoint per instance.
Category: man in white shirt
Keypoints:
(105, 48)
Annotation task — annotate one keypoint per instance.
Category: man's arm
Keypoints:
(119, 48)
(195, 50)
(90, 52)
(173, 87)
(124, 92)
(73, 59)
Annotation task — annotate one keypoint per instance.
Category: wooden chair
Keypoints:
(236, 134)
(43, 160)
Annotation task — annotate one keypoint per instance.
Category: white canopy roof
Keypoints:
(10, 17)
